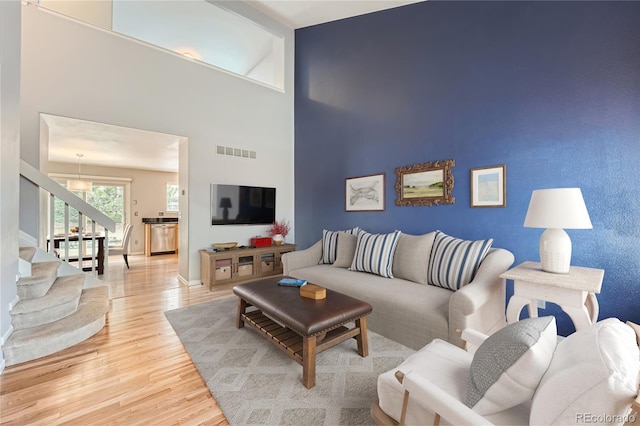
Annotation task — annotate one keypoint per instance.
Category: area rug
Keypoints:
(256, 384)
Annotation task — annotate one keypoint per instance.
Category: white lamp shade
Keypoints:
(79, 185)
(557, 208)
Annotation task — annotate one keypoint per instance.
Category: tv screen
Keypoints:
(242, 205)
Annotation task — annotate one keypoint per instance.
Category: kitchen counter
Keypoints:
(159, 220)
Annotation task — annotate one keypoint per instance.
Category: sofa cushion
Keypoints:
(411, 259)
(594, 373)
(454, 262)
(374, 253)
(346, 249)
(507, 367)
(330, 244)
(406, 312)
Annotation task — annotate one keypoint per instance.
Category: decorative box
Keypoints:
(261, 242)
(267, 266)
(244, 270)
(312, 291)
(223, 269)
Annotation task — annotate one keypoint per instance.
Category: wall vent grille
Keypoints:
(235, 152)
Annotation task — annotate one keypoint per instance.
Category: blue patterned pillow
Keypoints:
(330, 244)
(454, 262)
(374, 253)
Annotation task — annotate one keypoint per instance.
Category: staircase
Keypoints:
(57, 308)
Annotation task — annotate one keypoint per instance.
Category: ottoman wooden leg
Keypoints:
(242, 306)
(362, 339)
(309, 361)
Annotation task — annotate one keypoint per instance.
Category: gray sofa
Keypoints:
(406, 308)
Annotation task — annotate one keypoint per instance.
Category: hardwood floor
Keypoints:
(134, 371)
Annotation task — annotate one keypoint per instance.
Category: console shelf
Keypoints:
(241, 264)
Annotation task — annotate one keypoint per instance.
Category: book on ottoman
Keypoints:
(293, 282)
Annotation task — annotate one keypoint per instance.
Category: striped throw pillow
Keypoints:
(330, 244)
(374, 253)
(454, 262)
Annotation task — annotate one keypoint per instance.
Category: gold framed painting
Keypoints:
(425, 184)
(489, 186)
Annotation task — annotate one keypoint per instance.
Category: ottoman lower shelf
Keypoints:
(291, 342)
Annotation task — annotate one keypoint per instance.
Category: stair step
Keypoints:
(61, 300)
(27, 253)
(43, 274)
(31, 343)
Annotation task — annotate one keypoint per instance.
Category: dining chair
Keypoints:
(124, 248)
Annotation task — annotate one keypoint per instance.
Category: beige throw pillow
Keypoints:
(346, 249)
(411, 259)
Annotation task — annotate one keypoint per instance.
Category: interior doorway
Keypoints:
(129, 170)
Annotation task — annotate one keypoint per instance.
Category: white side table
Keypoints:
(574, 292)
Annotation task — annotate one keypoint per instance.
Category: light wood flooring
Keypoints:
(134, 371)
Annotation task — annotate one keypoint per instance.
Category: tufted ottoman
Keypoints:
(299, 326)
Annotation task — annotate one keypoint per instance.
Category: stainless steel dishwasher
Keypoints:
(163, 238)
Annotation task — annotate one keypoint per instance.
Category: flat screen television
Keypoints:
(242, 205)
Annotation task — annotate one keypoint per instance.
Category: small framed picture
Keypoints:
(425, 184)
(364, 193)
(489, 186)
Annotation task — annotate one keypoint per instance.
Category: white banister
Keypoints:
(51, 186)
(84, 210)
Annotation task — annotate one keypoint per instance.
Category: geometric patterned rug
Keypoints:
(256, 384)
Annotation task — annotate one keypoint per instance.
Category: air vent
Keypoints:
(235, 152)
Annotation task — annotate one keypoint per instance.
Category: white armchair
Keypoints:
(592, 377)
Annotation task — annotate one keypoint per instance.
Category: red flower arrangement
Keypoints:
(281, 227)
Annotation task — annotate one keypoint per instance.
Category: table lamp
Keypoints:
(556, 209)
(225, 205)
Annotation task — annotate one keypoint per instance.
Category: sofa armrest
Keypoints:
(299, 259)
(473, 339)
(425, 393)
(480, 305)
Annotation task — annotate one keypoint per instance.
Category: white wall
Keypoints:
(75, 70)
(9, 158)
(96, 12)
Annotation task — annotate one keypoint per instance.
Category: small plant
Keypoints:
(281, 227)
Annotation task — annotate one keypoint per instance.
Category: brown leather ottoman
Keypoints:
(299, 326)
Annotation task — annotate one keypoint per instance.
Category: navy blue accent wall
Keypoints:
(551, 89)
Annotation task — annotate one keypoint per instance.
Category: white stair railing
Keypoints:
(98, 222)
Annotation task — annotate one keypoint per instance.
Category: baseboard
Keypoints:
(5, 336)
(26, 239)
(14, 302)
(184, 281)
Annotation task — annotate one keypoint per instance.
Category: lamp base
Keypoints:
(555, 251)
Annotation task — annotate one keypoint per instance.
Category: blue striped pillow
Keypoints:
(330, 244)
(374, 253)
(454, 262)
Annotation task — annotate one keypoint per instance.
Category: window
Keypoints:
(202, 31)
(110, 196)
(172, 197)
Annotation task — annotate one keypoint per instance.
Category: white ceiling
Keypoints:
(303, 13)
(112, 146)
(115, 146)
